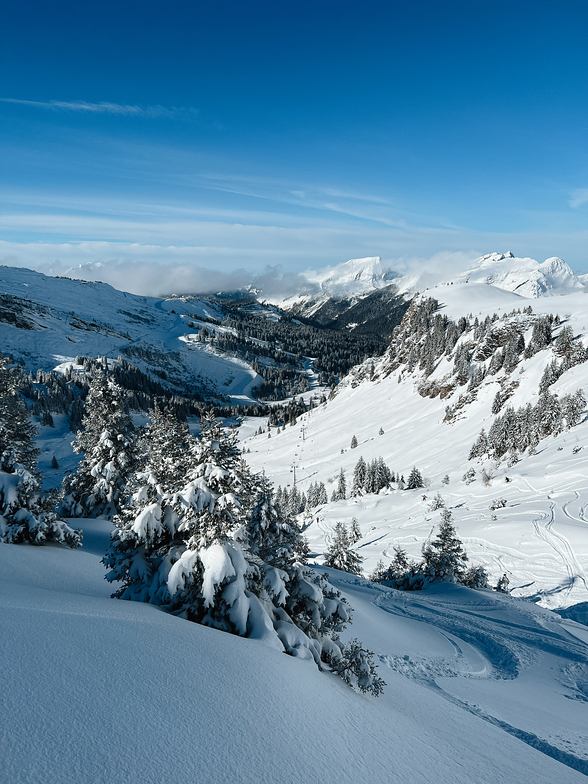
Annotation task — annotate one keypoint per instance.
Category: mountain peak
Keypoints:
(523, 276)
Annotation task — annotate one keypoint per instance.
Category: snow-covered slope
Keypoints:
(524, 276)
(356, 276)
(96, 690)
(539, 538)
(46, 321)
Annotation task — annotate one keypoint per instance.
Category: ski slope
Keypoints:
(479, 688)
(539, 539)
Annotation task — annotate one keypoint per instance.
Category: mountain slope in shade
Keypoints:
(46, 321)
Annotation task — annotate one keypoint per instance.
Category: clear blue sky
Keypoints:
(235, 134)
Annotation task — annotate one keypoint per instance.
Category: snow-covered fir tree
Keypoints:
(340, 493)
(415, 480)
(339, 555)
(359, 477)
(354, 531)
(403, 573)
(25, 515)
(214, 547)
(107, 441)
(444, 557)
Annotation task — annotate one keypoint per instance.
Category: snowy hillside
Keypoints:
(479, 389)
(523, 276)
(46, 321)
(430, 418)
(96, 690)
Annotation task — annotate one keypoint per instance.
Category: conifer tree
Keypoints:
(25, 515)
(415, 480)
(219, 551)
(340, 555)
(353, 442)
(340, 494)
(444, 557)
(359, 477)
(321, 495)
(355, 531)
(108, 443)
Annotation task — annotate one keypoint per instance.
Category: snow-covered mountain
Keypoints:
(47, 321)
(431, 420)
(359, 278)
(480, 686)
(353, 277)
(526, 276)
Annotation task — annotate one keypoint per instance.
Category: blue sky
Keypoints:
(232, 135)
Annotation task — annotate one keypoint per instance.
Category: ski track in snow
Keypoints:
(561, 546)
(502, 648)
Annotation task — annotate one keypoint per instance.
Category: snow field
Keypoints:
(100, 690)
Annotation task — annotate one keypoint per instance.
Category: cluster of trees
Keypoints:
(291, 502)
(317, 495)
(425, 336)
(444, 561)
(371, 477)
(517, 431)
(26, 514)
(199, 535)
(277, 348)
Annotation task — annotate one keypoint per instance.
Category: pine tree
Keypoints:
(353, 442)
(108, 443)
(359, 477)
(274, 538)
(321, 495)
(480, 447)
(339, 555)
(25, 515)
(221, 552)
(403, 574)
(355, 531)
(370, 484)
(444, 557)
(437, 503)
(415, 480)
(17, 432)
(475, 577)
(340, 494)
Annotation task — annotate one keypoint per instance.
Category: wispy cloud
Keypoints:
(579, 197)
(105, 107)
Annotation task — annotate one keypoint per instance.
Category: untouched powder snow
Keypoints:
(95, 690)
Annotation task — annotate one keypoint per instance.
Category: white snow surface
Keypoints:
(540, 538)
(96, 690)
(358, 277)
(68, 318)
